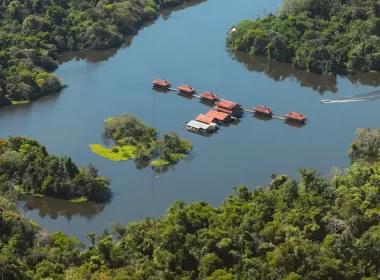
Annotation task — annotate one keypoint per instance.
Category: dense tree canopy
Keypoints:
(316, 228)
(366, 144)
(33, 32)
(25, 165)
(322, 36)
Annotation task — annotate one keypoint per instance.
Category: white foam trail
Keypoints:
(344, 101)
(372, 96)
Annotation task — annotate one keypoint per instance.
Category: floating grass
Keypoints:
(159, 162)
(14, 102)
(79, 199)
(116, 153)
(108, 120)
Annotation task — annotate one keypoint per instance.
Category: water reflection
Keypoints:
(234, 122)
(167, 12)
(282, 71)
(160, 90)
(53, 207)
(366, 79)
(262, 117)
(89, 56)
(208, 104)
(105, 55)
(207, 135)
(295, 124)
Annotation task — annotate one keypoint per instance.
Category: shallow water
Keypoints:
(188, 46)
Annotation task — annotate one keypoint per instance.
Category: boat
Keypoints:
(186, 89)
(325, 101)
(232, 30)
(295, 117)
(160, 83)
(209, 96)
(201, 127)
(263, 110)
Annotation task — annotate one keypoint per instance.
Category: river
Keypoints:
(187, 46)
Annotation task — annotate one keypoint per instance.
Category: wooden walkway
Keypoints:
(245, 110)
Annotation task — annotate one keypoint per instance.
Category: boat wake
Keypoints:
(372, 96)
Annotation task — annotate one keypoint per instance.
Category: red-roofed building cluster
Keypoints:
(229, 107)
(224, 110)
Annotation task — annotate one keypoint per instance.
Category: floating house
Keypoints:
(263, 110)
(160, 83)
(201, 127)
(206, 119)
(221, 117)
(229, 107)
(209, 96)
(186, 89)
(295, 117)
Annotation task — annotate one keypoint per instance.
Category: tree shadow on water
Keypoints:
(281, 71)
(158, 170)
(104, 55)
(54, 207)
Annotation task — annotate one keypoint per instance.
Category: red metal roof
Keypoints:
(161, 82)
(227, 111)
(263, 109)
(209, 95)
(205, 119)
(218, 115)
(295, 116)
(227, 104)
(186, 88)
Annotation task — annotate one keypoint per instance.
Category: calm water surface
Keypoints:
(188, 46)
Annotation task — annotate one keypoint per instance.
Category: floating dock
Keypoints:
(190, 95)
(269, 117)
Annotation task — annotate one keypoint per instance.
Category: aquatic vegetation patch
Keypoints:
(79, 199)
(14, 102)
(115, 153)
(108, 120)
(159, 162)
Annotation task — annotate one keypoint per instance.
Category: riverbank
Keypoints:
(29, 55)
(325, 41)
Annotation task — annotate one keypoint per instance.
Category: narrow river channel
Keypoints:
(188, 46)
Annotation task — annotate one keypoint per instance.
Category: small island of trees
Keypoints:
(133, 138)
(26, 166)
(321, 36)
